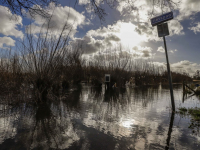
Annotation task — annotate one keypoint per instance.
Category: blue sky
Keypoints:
(131, 30)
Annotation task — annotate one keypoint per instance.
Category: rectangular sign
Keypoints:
(160, 19)
(163, 29)
(107, 77)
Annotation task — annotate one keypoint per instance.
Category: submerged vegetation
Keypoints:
(194, 113)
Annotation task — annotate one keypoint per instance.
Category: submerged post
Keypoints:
(163, 31)
(107, 81)
(169, 76)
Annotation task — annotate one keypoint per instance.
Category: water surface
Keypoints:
(92, 118)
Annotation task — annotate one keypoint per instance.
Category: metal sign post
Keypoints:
(169, 77)
(162, 32)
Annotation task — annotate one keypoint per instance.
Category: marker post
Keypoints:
(163, 31)
(169, 77)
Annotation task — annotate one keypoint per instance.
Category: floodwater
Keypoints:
(91, 118)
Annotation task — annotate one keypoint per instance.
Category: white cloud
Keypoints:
(161, 49)
(84, 2)
(140, 13)
(175, 28)
(108, 38)
(181, 66)
(137, 9)
(7, 41)
(142, 52)
(125, 31)
(61, 16)
(196, 28)
(173, 51)
(147, 31)
(159, 64)
(141, 9)
(185, 66)
(8, 25)
(91, 45)
(151, 34)
(188, 8)
(88, 44)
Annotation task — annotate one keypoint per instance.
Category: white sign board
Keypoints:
(107, 77)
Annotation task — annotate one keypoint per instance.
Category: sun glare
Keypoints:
(129, 37)
(127, 123)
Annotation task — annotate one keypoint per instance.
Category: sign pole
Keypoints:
(169, 77)
(162, 32)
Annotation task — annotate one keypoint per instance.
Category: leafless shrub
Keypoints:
(44, 62)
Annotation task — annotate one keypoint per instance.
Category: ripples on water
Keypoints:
(92, 118)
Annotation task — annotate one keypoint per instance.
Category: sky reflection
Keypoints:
(139, 118)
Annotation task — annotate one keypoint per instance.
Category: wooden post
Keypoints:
(190, 88)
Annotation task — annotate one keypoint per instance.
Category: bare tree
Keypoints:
(33, 6)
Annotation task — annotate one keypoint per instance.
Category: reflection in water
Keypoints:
(92, 118)
(170, 130)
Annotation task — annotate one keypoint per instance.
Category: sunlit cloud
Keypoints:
(161, 49)
(125, 31)
(185, 66)
(61, 15)
(188, 8)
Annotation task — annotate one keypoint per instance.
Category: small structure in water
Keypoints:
(107, 81)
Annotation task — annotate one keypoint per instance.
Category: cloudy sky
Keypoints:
(125, 26)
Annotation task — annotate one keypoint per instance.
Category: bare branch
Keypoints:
(35, 7)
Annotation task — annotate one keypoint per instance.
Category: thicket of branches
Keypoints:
(33, 6)
(38, 6)
(122, 68)
(97, 6)
(44, 63)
